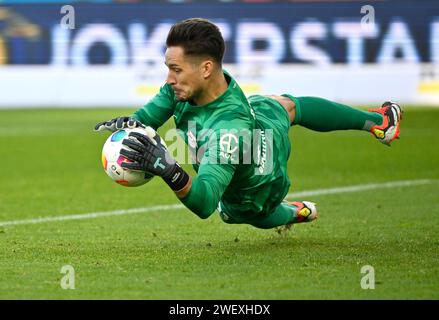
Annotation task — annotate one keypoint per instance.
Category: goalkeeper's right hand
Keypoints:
(150, 155)
(119, 123)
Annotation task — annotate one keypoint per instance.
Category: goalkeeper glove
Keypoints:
(118, 123)
(151, 156)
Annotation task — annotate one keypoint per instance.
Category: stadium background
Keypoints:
(378, 205)
(303, 47)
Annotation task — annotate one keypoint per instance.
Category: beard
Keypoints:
(181, 96)
(182, 99)
(188, 97)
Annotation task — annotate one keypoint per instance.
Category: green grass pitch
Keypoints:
(50, 160)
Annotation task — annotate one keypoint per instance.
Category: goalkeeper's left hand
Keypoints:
(151, 156)
(119, 123)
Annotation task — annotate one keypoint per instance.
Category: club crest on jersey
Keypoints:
(229, 144)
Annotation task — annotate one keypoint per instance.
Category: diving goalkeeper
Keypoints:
(202, 97)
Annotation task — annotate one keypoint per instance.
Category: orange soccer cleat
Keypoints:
(389, 129)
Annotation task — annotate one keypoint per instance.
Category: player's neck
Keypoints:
(215, 88)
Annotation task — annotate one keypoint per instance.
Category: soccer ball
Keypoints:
(112, 159)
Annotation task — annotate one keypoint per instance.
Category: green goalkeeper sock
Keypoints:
(323, 115)
(283, 214)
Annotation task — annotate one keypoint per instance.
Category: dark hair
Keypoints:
(198, 37)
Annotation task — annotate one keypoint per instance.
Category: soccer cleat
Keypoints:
(389, 129)
(306, 211)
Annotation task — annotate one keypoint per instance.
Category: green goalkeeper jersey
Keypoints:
(239, 148)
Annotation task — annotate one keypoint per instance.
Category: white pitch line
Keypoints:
(362, 187)
(94, 215)
(317, 192)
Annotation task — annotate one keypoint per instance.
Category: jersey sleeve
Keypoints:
(217, 168)
(158, 110)
(208, 188)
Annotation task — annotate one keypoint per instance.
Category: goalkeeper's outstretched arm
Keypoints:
(200, 194)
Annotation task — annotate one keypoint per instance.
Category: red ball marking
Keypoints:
(123, 182)
(122, 159)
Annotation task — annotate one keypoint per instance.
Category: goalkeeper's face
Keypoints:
(186, 75)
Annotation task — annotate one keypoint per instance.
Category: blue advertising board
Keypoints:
(309, 33)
